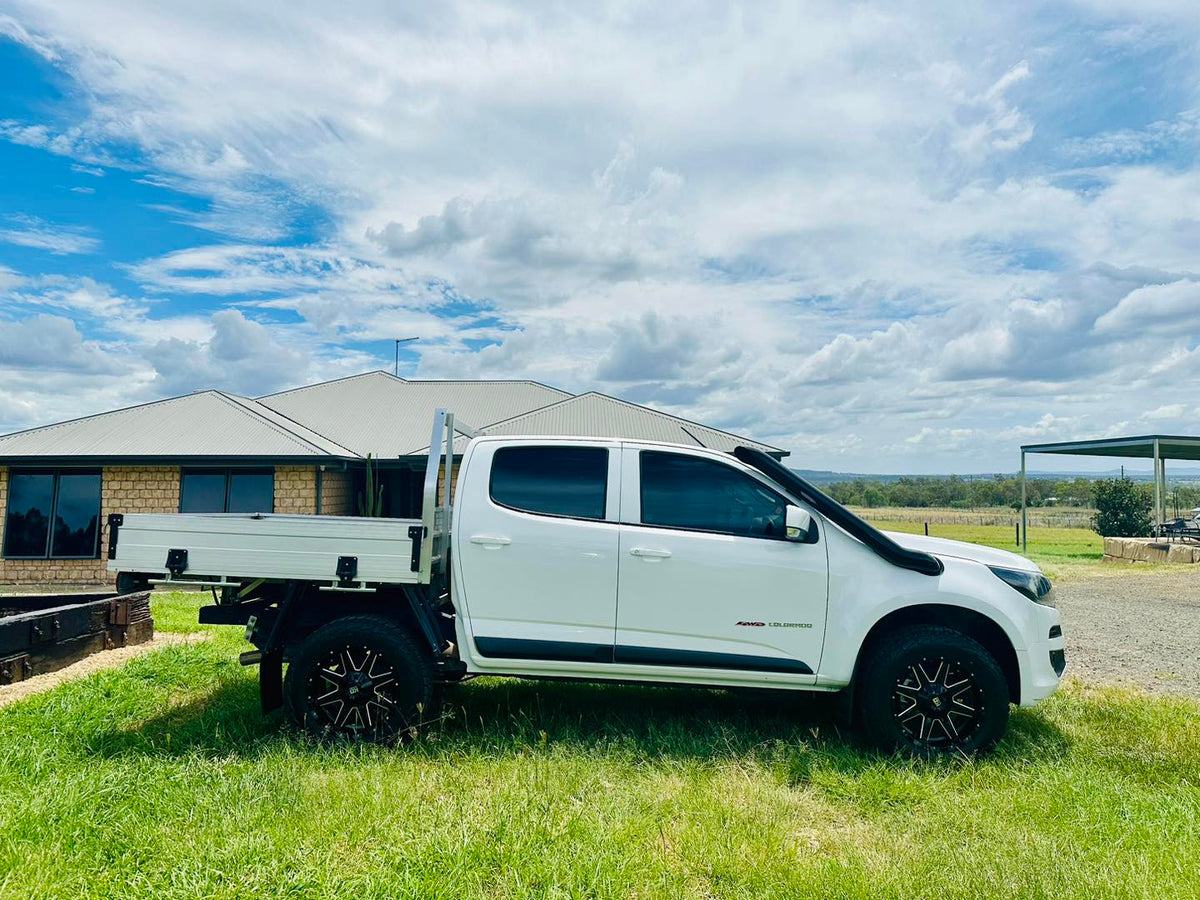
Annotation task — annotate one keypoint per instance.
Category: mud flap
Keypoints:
(270, 680)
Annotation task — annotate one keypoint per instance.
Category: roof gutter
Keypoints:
(884, 546)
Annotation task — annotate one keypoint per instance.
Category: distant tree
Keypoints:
(1122, 508)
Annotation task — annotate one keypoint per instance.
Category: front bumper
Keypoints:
(1043, 664)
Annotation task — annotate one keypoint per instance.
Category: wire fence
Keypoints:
(1040, 517)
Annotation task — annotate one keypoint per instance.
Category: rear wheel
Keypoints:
(933, 691)
(360, 678)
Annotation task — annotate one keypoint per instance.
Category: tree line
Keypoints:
(1000, 490)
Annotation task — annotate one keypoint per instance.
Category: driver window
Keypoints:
(702, 495)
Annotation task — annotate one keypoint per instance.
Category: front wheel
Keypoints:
(933, 691)
(360, 678)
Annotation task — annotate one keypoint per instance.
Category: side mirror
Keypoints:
(800, 526)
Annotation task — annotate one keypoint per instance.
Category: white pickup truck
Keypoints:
(614, 560)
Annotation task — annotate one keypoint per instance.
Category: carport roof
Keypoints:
(1139, 447)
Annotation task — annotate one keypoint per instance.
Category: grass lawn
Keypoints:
(1060, 551)
(161, 779)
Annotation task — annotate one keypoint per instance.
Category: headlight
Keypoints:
(1033, 585)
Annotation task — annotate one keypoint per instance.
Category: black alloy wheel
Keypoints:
(936, 703)
(360, 678)
(928, 690)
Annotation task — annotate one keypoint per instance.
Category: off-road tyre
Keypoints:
(929, 691)
(361, 678)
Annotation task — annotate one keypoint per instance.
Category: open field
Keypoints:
(1038, 517)
(161, 779)
(1062, 552)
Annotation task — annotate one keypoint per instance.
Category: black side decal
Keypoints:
(657, 656)
(520, 648)
(883, 545)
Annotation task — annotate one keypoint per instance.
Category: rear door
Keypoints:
(707, 579)
(536, 550)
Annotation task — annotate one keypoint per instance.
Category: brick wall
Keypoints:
(337, 494)
(296, 489)
(123, 489)
(442, 479)
(133, 489)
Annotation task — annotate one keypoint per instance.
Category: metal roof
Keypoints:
(1140, 447)
(598, 415)
(386, 416)
(374, 413)
(205, 424)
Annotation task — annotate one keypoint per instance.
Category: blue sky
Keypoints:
(887, 238)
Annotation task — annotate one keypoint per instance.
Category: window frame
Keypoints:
(603, 517)
(47, 554)
(642, 523)
(227, 472)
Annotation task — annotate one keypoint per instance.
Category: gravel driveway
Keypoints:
(1139, 628)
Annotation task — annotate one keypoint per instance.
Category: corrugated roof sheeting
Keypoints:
(598, 415)
(1139, 447)
(374, 413)
(387, 417)
(209, 423)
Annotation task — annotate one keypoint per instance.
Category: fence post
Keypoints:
(926, 528)
(1018, 534)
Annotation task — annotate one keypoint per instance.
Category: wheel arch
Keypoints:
(974, 624)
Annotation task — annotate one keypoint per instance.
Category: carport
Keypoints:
(1158, 447)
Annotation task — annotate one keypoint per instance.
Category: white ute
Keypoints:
(614, 560)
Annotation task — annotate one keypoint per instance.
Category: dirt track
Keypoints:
(1139, 628)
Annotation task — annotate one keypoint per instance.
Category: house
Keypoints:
(299, 451)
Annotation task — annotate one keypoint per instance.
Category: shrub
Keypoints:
(1122, 508)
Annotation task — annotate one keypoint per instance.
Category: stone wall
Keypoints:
(1150, 550)
(296, 489)
(123, 489)
(337, 493)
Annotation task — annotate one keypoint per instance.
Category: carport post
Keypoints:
(1162, 464)
(1158, 493)
(1024, 533)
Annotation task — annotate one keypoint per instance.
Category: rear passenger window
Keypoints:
(553, 481)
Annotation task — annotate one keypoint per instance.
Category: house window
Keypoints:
(227, 490)
(52, 515)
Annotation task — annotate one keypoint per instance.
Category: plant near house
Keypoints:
(370, 500)
(1122, 508)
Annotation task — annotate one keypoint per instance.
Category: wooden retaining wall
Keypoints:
(40, 633)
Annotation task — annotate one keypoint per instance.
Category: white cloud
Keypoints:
(1175, 305)
(46, 342)
(1166, 413)
(29, 231)
(241, 356)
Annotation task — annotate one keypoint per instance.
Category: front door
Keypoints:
(537, 550)
(707, 579)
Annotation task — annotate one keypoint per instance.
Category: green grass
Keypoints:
(162, 779)
(1058, 550)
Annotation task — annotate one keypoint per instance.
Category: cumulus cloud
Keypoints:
(1171, 305)
(47, 342)
(242, 356)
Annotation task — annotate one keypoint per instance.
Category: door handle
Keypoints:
(490, 541)
(649, 553)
